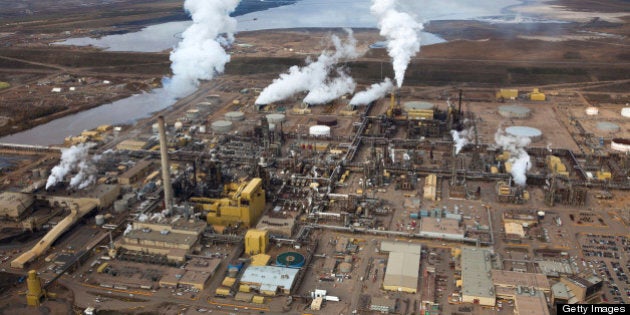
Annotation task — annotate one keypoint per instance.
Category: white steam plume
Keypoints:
(74, 159)
(310, 77)
(333, 89)
(201, 54)
(402, 33)
(461, 139)
(519, 158)
(374, 92)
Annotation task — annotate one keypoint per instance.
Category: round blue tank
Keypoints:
(290, 260)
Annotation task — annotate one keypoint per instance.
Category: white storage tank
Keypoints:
(592, 111)
(276, 118)
(202, 129)
(192, 113)
(178, 125)
(625, 112)
(514, 111)
(234, 116)
(620, 144)
(100, 219)
(221, 126)
(319, 131)
(523, 131)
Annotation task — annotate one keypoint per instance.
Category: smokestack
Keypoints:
(166, 177)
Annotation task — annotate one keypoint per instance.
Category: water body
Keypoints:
(124, 111)
(306, 14)
(279, 14)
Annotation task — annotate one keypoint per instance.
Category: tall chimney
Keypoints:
(166, 177)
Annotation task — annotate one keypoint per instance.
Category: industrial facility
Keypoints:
(431, 197)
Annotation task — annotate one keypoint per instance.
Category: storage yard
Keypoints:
(502, 191)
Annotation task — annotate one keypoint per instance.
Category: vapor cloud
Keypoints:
(402, 33)
(374, 92)
(74, 160)
(201, 55)
(519, 158)
(314, 76)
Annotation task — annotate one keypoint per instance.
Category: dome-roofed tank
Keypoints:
(514, 111)
(608, 126)
(523, 131)
(221, 126)
(234, 116)
(290, 260)
(319, 130)
(276, 118)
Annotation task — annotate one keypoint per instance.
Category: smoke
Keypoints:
(402, 33)
(333, 89)
(461, 139)
(312, 77)
(374, 92)
(519, 158)
(200, 55)
(75, 159)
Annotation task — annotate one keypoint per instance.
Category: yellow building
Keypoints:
(35, 292)
(256, 242)
(508, 94)
(536, 95)
(244, 203)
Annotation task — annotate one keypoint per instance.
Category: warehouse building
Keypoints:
(531, 304)
(403, 266)
(173, 240)
(477, 285)
(513, 280)
(13, 205)
(270, 280)
(583, 289)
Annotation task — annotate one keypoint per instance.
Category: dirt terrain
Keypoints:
(476, 54)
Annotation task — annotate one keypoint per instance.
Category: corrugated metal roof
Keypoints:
(401, 247)
(402, 270)
(270, 276)
(476, 276)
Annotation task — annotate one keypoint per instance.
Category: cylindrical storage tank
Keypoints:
(620, 144)
(345, 267)
(234, 116)
(327, 121)
(592, 111)
(523, 131)
(120, 205)
(202, 129)
(347, 258)
(541, 214)
(319, 130)
(154, 128)
(276, 118)
(178, 125)
(100, 219)
(290, 260)
(192, 113)
(514, 111)
(625, 112)
(221, 126)
(608, 126)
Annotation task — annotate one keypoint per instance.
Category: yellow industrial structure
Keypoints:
(507, 94)
(243, 203)
(35, 292)
(555, 165)
(430, 187)
(256, 242)
(536, 95)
